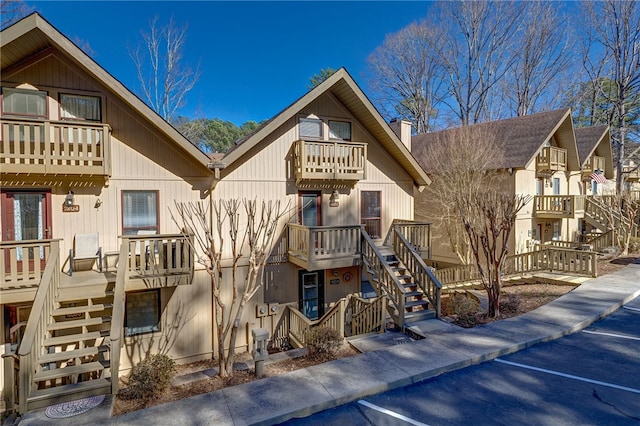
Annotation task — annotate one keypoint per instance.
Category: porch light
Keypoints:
(333, 200)
(68, 200)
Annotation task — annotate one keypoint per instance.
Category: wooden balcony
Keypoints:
(322, 247)
(631, 173)
(330, 161)
(594, 163)
(55, 148)
(559, 206)
(551, 159)
(152, 261)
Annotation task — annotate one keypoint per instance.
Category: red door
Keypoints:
(26, 215)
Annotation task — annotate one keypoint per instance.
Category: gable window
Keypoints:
(339, 130)
(79, 107)
(31, 103)
(140, 212)
(310, 128)
(370, 212)
(142, 312)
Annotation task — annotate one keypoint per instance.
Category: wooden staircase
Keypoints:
(398, 272)
(416, 307)
(74, 358)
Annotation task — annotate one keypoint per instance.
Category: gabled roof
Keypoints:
(33, 34)
(342, 86)
(522, 138)
(595, 140)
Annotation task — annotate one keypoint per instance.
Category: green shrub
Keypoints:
(151, 377)
(323, 341)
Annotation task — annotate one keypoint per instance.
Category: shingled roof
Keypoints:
(521, 138)
(595, 141)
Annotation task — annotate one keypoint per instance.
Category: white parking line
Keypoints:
(391, 413)
(569, 376)
(629, 308)
(601, 333)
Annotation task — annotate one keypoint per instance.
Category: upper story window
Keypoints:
(340, 130)
(80, 107)
(30, 103)
(310, 128)
(140, 212)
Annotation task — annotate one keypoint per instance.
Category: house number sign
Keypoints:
(71, 209)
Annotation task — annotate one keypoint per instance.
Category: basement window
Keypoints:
(142, 314)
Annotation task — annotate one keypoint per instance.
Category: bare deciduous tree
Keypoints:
(252, 240)
(613, 28)
(11, 11)
(403, 76)
(474, 52)
(541, 56)
(623, 215)
(488, 218)
(474, 213)
(164, 78)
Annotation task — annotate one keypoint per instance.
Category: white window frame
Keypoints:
(66, 115)
(41, 95)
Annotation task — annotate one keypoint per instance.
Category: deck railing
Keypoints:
(299, 325)
(422, 275)
(55, 147)
(382, 276)
(313, 244)
(561, 206)
(552, 259)
(159, 256)
(22, 262)
(366, 316)
(552, 159)
(117, 316)
(417, 233)
(594, 163)
(33, 340)
(337, 161)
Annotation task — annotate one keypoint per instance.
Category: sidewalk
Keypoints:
(303, 392)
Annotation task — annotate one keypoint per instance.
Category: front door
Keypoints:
(311, 294)
(309, 208)
(26, 215)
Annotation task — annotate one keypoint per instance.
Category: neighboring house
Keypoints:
(83, 159)
(540, 158)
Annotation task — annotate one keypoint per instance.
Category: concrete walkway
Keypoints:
(303, 392)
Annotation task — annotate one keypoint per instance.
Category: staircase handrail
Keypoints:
(299, 325)
(387, 282)
(367, 315)
(117, 314)
(34, 333)
(422, 274)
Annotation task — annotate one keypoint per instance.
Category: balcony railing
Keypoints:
(334, 161)
(631, 173)
(55, 147)
(559, 206)
(594, 163)
(321, 247)
(552, 159)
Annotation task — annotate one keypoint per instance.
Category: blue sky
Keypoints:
(255, 57)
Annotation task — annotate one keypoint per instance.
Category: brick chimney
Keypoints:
(402, 129)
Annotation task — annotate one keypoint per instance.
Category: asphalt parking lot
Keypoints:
(588, 378)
